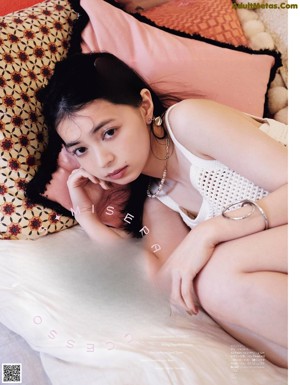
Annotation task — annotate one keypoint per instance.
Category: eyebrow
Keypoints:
(93, 131)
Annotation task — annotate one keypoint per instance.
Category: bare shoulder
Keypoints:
(199, 123)
(203, 112)
(188, 105)
(193, 119)
(190, 109)
(215, 131)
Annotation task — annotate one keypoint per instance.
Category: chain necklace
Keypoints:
(164, 175)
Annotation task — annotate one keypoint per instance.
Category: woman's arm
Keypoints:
(211, 130)
(218, 132)
(166, 231)
(275, 207)
(87, 196)
(195, 250)
(215, 131)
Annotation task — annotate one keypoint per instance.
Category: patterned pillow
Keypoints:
(31, 42)
(216, 20)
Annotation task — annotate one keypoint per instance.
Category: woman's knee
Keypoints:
(222, 285)
(218, 285)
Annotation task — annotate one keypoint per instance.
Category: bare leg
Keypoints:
(274, 352)
(244, 288)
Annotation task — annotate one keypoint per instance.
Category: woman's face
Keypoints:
(110, 141)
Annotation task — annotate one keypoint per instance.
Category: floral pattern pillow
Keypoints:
(31, 42)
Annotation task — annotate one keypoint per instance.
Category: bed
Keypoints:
(59, 316)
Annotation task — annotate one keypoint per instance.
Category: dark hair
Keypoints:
(81, 79)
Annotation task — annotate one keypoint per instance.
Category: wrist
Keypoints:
(84, 216)
(208, 232)
(221, 229)
(252, 205)
(89, 221)
(98, 231)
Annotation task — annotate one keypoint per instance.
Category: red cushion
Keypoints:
(216, 20)
(12, 6)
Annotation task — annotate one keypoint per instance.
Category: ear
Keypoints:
(146, 106)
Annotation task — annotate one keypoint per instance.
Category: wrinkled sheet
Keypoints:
(95, 319)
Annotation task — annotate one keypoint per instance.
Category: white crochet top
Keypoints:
(218, 185)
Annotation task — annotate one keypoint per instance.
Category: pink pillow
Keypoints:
(57, 189)
(178, 67)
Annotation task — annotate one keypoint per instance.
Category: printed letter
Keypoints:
(70, 344)
(52, 334)
(109, 210)
(144, 231)
(156, 247)
(110, 346)
(37, 320)
(90, 348)
(128, 218)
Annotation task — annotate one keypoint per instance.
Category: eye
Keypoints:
(109, 133)
(79, 151)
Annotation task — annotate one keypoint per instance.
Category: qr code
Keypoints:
(12, 373)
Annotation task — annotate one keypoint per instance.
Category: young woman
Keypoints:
(218, 223)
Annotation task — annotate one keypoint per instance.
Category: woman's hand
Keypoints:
(183, 265)
(86, 192)
(89, 199)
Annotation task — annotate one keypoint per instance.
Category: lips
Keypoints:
(117, 174)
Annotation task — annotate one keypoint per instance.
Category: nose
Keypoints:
(103, 157)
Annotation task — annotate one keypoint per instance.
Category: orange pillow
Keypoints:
(12, 6)
(215, 20)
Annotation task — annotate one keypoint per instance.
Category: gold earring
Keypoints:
(158, 121)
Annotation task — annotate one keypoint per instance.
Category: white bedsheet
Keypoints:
(95, 319)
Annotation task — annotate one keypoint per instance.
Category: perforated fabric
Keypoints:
(218, 185)
(222, 186)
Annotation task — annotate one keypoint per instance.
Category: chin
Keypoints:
(129, 178)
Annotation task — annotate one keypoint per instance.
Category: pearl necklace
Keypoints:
(164, 175)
